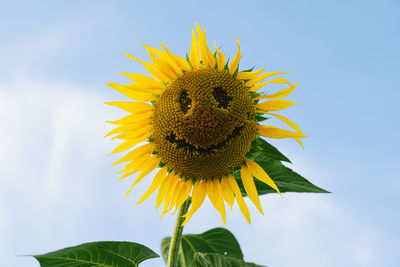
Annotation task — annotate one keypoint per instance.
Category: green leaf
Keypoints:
(217, 240)
(217, 260)
(259, 145)
(106, 253)
(286, 179)
(261, 118)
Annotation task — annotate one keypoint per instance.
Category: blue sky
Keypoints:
(57, 189)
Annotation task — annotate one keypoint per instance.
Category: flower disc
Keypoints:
(204, 123)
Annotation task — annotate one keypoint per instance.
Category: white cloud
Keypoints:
(50, 148)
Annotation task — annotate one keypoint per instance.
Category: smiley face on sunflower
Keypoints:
(194, 121)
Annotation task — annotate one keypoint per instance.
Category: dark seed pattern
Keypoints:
(185, 101)
(222, 98)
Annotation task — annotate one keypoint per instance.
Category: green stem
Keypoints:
(177, 236)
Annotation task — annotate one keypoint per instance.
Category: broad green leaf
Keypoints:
(259, 145)
(286, 179)
(217, 240)
(217, 260)
(106, 253)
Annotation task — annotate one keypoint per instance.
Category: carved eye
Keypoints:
(222, 98)
(185, 101)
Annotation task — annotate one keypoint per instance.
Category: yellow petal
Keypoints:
(194, 52)
(127, 145)
(221, 58)
(282, 93)
(277, 104)
(287, 121)
(135, 87)
(235, 61)
(227, 192)
(132, 118)
(130, 126)
(164, 189)
(198, 196)
(257, 87)
(215, 195)
(179, 189)
(147, 168)
(267, 75)
(250, 187)
(163, 67)
(210, 54)
(239, 198)
(260, 174)
(132, 132)
(144, 80)
(141, 133)
(132, 107)
(133, 127)
(165, 57)
(275, 132)
(154, 51)
(205, 52)
(135, 166)
(247, 75)
(185, 193)
(158, 179)
(128, 136)
(181, 62)
(169, 195)
(125, 175)
(152, 69)
(291, 124)
(136, 153)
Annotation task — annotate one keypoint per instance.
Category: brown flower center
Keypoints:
(204, 123)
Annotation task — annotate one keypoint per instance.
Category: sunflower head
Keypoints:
(204, 123)
(196, 120)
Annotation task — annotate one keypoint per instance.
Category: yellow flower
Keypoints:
(195, 119)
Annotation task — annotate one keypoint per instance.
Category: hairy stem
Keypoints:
(177, 236)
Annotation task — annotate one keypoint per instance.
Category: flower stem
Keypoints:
(177, 236)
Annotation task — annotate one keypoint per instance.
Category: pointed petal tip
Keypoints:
(238, 42)
(131, 57)
(164, 46)
(112, 164)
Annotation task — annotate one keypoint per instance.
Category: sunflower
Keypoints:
(195, 120)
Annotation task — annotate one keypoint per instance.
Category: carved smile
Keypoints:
(182, 143)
